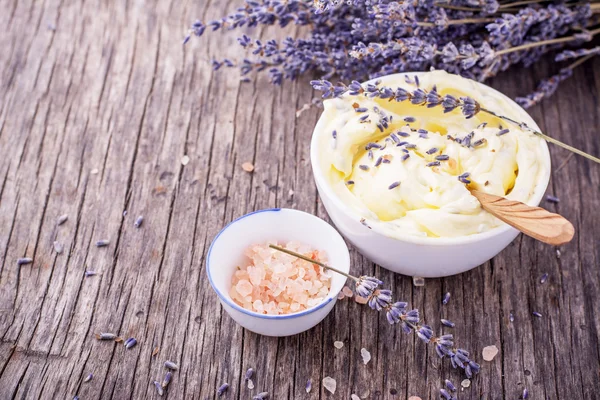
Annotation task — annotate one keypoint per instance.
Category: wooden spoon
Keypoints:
(536, 222)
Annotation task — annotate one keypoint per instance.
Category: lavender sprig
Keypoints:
(474, 38)
(430, 99)
(398, 312)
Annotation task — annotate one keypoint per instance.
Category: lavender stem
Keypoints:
(298, 255)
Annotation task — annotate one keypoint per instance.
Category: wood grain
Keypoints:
(537, 222)
(98, 104)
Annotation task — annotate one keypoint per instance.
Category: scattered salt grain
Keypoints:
(94, 171)
(465, 383)
(347, 291)
(330, 384)
(302, 109)
(276, 283)
(366, 356)
(558, 253)
(58, 248)
(185, 160)
(62, 219)
(248, 167)
(418, 281)
(354, 397)
(360, 300)
(338, 345)
(250, 384)
(489, 352)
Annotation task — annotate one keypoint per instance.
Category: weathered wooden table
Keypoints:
(100, 102)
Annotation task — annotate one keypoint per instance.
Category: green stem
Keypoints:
(545, 137)
(543, 43)
(310, 260)
(459, 21)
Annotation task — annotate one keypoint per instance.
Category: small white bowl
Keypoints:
(282, 225)
(426, 257)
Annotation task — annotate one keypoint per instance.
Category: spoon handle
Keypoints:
(536, 222)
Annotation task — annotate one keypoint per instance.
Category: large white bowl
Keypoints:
(426, 257)
(282, 225)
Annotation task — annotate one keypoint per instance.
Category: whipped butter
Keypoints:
(407, 169)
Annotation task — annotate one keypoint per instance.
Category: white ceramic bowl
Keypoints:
(426, 257)
(282, 225)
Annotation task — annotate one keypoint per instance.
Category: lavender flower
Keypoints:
(447, 295)
(159, 388)
(396, 313)
(171, 365)
(222, 389)
(475, 40)
(129, 343)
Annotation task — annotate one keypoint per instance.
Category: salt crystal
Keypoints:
(366, 356)
(274, 283)
(354, 397)
(248, 167)
(244, 287)
(418, 281)
(347, 291)
(489, 352)
(94, 171)
(465, 383)
(58, 247)
(185, 160)
(360, 300)
(338, 345)
(250, 384)
(329, 384)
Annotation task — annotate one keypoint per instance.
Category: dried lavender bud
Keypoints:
(166, 379)
(159, 388)
(525, 395)
(394, 185)
(24, 261)
(249, 374)
(433, 164)
(537, 314)
(90, 273)
(171, 365)
(102, 243)
(88, 378)
(552, 199)
(106, 336)
(129, 343)
(261, 396)
(450, 385)
(308, 386)
(446, 298)
(544, 278)
(222, 389)
(447, 323)
(444, 393)
(138, 221)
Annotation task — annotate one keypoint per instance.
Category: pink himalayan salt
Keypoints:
(277, 283)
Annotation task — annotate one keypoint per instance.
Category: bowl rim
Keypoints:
(323, 185)
(232, 304)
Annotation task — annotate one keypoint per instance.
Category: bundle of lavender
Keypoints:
(364, 39)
